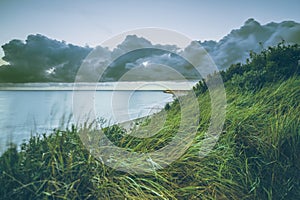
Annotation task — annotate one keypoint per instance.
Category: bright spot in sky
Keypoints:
(2, 62)
(51, 70)
(145, 63)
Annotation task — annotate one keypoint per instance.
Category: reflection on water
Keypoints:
(23, 113)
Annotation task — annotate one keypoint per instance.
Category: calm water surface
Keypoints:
(25, 113)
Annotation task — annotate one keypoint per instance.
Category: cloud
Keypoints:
(252, 36)
(157, 65)
(40, 59)
(152, 62)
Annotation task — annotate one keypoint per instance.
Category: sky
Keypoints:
(90, 22)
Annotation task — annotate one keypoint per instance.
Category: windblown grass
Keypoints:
(256, 157)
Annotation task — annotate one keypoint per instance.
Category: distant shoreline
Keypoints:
(101, 86)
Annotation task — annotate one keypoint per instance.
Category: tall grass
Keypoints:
(257, 157)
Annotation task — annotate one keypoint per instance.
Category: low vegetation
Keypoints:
(257, 155)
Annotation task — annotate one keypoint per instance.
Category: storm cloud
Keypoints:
(252, 36)
(40, 59)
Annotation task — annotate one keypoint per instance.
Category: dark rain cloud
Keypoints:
(40, 59)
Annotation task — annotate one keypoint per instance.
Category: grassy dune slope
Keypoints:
(257, 155)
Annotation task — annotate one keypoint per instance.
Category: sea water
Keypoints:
(25, 113)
